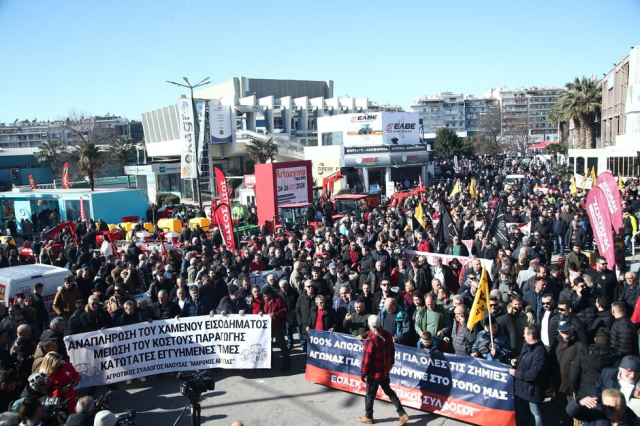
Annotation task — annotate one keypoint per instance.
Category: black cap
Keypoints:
(232, 288)
(267, 289)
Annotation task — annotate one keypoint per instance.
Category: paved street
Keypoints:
(256, 397)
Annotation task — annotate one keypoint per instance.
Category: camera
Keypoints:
(128, 418)
(52, 407)
(102, 402)
(195, 383)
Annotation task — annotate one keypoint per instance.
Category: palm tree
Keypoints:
(52, 152)
(580, 103)
(121, 149)
(262, 151)
(90, 160)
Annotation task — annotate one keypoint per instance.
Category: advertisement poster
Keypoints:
(188, 158)
(8, 210)
(291, 185)
(166, 346)
(220, 123)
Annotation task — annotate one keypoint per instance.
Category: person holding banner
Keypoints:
(274, 307)
(378, 357)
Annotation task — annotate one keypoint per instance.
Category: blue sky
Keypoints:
(114, 57)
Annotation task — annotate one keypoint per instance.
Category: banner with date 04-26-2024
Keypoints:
(460, 387)
(166, 346)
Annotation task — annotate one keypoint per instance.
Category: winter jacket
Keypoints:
(233, 306)
(531, 374)
(64, 303)
(462, 339)
(597, 416)
(329, 318)
(303, 311)
(357, 326)
(604, 319)
(624, 338)
(276, 306)
(195, 308)
(482, 346)
(581, 236)
(561, 359)
(608, 380)
(60, 378)
(403, 324)
(95, 322)
(587, 366)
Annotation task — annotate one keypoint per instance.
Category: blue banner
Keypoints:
(460, 387)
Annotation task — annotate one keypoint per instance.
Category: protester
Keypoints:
(378, 357)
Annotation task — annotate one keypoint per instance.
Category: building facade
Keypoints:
(288, 111)
(457, 112)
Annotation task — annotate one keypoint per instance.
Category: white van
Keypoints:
(20, 279)
(510, 180)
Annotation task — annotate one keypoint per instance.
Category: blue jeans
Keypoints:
(558, 246)
(524, 408)
(289, 330)
(628, 242)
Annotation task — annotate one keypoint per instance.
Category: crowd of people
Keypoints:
(564, 322)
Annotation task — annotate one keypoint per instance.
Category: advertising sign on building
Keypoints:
(374, 128)
(404, 126)
(220, 123)
(291, 185)
(188, 162)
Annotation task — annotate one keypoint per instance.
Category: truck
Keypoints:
(20, 280)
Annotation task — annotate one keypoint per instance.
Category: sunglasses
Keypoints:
(546, 303)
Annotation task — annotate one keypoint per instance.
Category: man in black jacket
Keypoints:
(303, 311)
(624, 338)
(290, 296)
(603, 278)
(626, 376)
(163, 308)
(590, 362)
(95, 317)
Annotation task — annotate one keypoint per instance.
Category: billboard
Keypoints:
(374, 128)
(291, 185)
(220, 123)
(188, 158)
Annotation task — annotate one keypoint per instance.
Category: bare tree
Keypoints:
(490, 138)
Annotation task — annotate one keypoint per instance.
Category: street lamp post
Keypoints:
(196, 126)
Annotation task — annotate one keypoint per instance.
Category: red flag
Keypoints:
(65, 176)
(609, 187)
(83, 214)
(221, 183)
(32, 182)
(223, 214)
(600, 217)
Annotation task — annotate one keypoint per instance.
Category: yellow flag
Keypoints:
(584, 180)
(574, 188)
(593, 176)
(473, 190)
(481, 301)
(620, 183)
(456, 189)
(418, 215)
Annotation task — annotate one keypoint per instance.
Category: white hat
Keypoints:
(105, 418)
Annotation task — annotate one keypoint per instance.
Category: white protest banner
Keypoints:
(166, 346)
(446, 259)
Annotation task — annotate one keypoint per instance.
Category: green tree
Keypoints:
(580, 103)
(90, 160)
(262, 151)
(54, 153)
(121, 149)
(554, 149)
(447, 143)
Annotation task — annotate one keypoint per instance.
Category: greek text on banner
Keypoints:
(460, 387)
(165, 346)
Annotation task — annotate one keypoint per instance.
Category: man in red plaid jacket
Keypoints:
(377, 359)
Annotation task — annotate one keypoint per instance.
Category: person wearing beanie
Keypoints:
(233, 303)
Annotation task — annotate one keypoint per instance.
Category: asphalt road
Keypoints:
(263, 397)
(256, 397)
